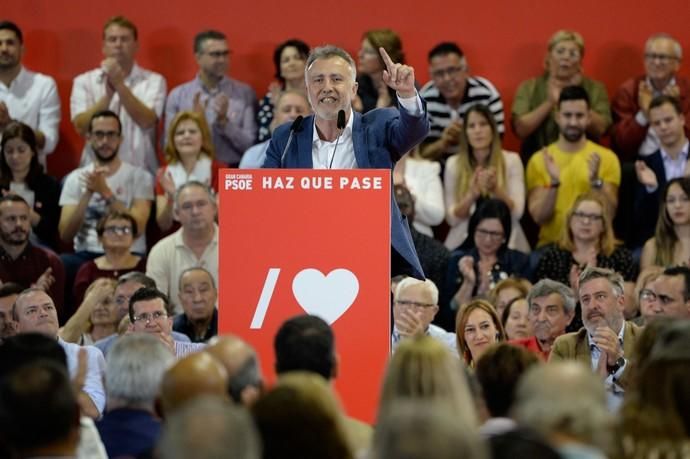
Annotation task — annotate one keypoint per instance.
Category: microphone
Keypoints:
(340, 125)
(296, 125)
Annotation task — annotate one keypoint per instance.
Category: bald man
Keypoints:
(242, 364)
(192, 376)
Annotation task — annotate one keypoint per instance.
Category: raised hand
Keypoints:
(645, 175)
(45, 280)
(466, 267)
(399, 77)
(551, 167)
(452, 133)
(644, 96)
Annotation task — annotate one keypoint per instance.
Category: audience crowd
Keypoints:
(554, 320)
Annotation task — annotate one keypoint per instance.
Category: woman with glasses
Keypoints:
(97, 316)
(190, 156)
(116, 233)
(372, 92)
(535, 99)
(484, 258)
(481, 170)
(587, 240)
(21, 174)
(670, 245)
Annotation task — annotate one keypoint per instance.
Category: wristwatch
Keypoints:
(612, 369)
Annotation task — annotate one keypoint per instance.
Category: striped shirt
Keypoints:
(478, 91)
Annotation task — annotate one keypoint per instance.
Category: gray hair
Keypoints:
(191, 183)
(565, 398)
(677, 48)
(427, 284)
(209, 428)
(134, 369)
(138, 277)
(247, 375)
(546, 287)
(327, 52)
(196, 268)
(592, 272)
(413, 428)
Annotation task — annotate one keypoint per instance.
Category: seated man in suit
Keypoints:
(669, 161)
(375, 140)
(607, 342)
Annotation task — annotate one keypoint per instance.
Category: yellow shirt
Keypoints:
(574, 181)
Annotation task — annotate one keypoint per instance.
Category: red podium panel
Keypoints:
(314, 241)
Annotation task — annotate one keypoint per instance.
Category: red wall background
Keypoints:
(504, 41)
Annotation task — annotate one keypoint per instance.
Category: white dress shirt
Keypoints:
(32, 98)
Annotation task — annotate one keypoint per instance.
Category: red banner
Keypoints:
(310, 241)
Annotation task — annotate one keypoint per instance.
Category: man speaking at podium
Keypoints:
(336, 137)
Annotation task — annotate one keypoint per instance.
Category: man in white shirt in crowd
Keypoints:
(119, 84)
(27, 96)
(415, 305)
(195, 244)
(90, 192)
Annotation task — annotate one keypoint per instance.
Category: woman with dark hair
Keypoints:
(21, 174)
(372, 92)
(116, 232)
(670, 245)
(289, 59)
(484, 258)
(480, 170)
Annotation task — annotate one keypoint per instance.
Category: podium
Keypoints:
(295, 241)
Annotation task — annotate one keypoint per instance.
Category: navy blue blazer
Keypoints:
(647, 205)
(380, 138)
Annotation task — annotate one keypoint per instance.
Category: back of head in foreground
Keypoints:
(656, 417)
(300, 417)
(416, 429)
(565, 402)
(209, 428)
(422, 368)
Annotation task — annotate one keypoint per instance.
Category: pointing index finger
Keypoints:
(386, 58)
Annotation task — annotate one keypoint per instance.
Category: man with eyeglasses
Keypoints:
(34, 312)
(228, 104)
(669, 294)
(22, 262)
(415, 305)
(136, 95)
(148, 313)
(107, 184)
(449, 94)
(565, 169)
(632, 136)
(195, 244)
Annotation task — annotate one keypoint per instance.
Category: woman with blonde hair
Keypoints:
(508, 290)
(535, 99)
(482, 170)
(190, 155)
(587, 240)
(477, 328)
(422, 368)
(670, 245)
(97, 315)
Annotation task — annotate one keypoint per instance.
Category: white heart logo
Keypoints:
(325, 296)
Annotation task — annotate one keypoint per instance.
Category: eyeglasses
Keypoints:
(663, 58)
(414, 304)
(217, 54)
(584, 216)
(118, 230)
(108, 135)
(148, 317)
(565, 51)
(647, 295)
(495, 235)
(450, 71)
